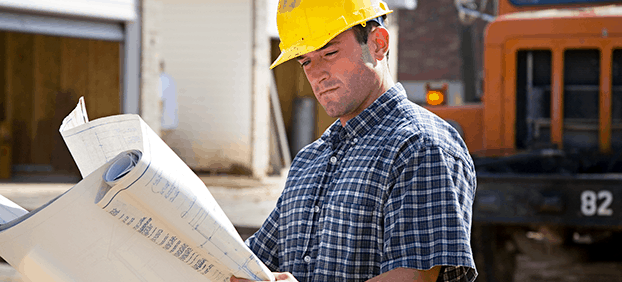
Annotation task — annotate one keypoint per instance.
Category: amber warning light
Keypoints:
(435, 96)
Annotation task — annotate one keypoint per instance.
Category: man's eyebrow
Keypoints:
(301, 57)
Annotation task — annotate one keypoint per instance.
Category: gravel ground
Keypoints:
(528, 270)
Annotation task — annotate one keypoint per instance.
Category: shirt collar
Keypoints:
(366, 120)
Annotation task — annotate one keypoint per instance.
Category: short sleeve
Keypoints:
(428, 214)
(264, 242)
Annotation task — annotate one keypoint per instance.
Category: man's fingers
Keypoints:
(285, 276)
(281, 276)
(235, 279)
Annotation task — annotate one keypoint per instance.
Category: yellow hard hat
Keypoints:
(307, 25)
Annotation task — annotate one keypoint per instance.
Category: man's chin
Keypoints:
(333, 114)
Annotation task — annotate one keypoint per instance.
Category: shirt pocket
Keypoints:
(352, 238)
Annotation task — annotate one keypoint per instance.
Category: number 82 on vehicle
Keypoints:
(596, 203)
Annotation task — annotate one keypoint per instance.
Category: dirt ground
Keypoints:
(528, 270)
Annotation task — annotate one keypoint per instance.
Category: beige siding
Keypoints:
(150, 109)
(207, 47)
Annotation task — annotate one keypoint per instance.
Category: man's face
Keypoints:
(342, 76)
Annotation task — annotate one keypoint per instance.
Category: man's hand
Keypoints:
(408, 274)
(285, 276)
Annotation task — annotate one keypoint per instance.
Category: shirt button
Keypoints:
(333, 160)
(355, 140)
(307, 259)
(316, 209)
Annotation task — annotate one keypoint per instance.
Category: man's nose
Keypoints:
(317, 71)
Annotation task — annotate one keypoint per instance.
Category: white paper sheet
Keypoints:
(77, 117)
(9, 210)
(140, 214)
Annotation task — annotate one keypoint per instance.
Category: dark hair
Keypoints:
(362, 33)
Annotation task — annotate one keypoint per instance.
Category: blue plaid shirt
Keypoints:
(392, 188)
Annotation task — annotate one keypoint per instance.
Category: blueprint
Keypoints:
(77, 117)
(139, 214)
(9, 210)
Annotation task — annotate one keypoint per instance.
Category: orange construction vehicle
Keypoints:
(546, 137)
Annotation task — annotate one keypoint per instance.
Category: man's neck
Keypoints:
(385, 83)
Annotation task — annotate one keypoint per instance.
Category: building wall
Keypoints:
(429, 42)
(435, 47)
(207, 49)
(150, 106)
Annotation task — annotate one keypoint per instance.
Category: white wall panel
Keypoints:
(56, 26)
(207, 48)
(122, 10)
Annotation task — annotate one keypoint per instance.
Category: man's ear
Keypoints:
(378, 42)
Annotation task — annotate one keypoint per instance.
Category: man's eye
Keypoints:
(331, 53)
(304, 63)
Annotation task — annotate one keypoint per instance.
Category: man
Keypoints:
(386, 193)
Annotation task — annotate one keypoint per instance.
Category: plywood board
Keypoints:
(42, 77)
(74, 79)
(74, 68)
(3, 66)
(20, 57)
(47, 57)
(103, 85)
